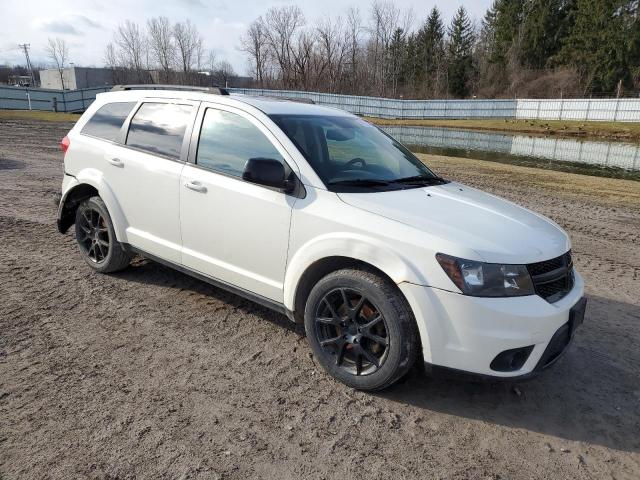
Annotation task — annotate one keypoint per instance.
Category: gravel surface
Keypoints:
(151, 374)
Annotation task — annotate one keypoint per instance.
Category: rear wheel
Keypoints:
(361, 329)
(96, 237)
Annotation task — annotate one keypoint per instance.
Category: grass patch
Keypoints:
(600, 130)
(609, 191)
(38, 115)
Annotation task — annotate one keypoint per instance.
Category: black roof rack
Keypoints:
(183, 88)
(293, 99)
(280, 98)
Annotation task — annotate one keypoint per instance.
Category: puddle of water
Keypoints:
(601, 158)
(6, 164)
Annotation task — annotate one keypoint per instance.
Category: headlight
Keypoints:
(487, 279)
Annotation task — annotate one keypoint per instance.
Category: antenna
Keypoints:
(25, 47)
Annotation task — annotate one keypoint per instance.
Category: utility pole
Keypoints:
(25, 47)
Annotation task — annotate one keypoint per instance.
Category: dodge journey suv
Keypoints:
(315, 213)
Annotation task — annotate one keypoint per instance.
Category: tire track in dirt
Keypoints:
(152, 374)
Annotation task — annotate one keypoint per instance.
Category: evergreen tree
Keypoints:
(634, 43)
(460, 54)
(505, 21)
(600, 44)
(430, 49)
(543, 29)
(397, 59)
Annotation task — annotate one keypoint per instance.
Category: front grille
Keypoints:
(552, 279)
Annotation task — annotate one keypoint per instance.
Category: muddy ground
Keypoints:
(151, 374)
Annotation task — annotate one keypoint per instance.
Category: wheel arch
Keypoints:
(342, 250)
(84, 186)
(321, 268)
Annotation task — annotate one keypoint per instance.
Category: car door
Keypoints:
(232, 230)
(145, 174)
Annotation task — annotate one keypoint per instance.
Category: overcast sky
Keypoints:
(88, 25)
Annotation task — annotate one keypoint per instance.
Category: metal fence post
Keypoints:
(586, 114)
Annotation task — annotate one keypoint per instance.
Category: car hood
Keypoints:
(497, 230)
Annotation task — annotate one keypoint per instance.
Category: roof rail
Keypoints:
(281, 98)
(293, 99)
(185, 88)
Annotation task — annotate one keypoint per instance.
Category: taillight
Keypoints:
(64, 144)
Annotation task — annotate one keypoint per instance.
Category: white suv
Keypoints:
(319, 215)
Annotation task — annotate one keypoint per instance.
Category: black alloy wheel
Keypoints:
(94, 239)
(352, 330)
(361, 328)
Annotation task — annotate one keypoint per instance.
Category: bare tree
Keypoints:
(162, 45)
(212, 60)
(132, 48)
(225, 72)
(58, 52)
(282, 25)
(354, 33)
(385, 18)
(189, 44)
(333, 49)
(254, 44)
(302, 54)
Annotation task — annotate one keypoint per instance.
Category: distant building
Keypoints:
(20, 80)
(76, 77)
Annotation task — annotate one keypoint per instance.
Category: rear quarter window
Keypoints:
(107, 121)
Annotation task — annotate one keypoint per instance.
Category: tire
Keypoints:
(96, 238)
(353, 345)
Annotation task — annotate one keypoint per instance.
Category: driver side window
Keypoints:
(227, 141)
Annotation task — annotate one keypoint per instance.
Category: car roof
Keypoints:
(268, 105)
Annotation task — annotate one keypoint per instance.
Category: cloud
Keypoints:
(87, 21)
(58, 26)
(68, 24)
(217, 5)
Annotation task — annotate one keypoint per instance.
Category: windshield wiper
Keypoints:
(361, 182)
(422, 180)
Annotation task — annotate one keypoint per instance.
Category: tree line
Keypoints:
(533, 48)
(162, 52)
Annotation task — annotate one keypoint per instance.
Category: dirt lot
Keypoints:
(151, 374)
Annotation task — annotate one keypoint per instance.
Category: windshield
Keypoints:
(349, 154)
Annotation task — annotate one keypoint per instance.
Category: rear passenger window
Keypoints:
(107, 121)
(159, 128)
(228, 140)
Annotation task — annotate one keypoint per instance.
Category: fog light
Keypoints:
(511, 360)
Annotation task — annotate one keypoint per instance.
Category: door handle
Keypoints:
(116, 162)
(196, 186)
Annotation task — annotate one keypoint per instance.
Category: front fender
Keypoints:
(94, 178)
(350, 245)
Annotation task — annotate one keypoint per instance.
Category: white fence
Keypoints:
(603, 154)
(618, 110)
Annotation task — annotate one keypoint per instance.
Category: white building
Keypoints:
(75, 78)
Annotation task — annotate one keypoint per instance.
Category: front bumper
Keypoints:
(465, 334)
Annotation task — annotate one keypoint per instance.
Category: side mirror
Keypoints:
(267, 172)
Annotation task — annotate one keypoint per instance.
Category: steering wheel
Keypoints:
(353, 162)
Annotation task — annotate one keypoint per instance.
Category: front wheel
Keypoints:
(361, 329)
(97, 239)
